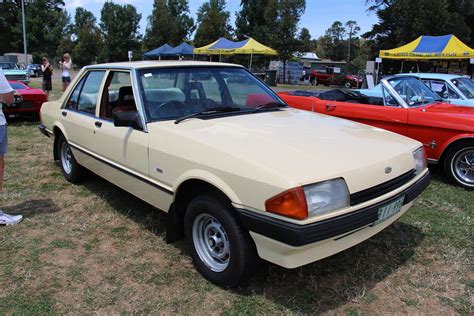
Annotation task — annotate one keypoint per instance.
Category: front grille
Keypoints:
(26, 105)
(381, 189)
(16, 77)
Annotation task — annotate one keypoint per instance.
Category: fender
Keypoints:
(206, 176)
(451, 140)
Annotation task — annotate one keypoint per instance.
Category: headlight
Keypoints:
(326, 196)
(310, 200)
(419, 156)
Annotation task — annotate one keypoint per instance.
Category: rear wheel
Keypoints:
(314, 81)
(221, 249)
(347, 85)
(459, 164)
(72, 171)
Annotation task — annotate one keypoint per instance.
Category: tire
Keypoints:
(459, 164)
(72, 171)
(347, 85)
(314, 81)
(227, 256)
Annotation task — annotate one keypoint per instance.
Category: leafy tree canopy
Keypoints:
(169, 22)
(213, 22)
(119, 25)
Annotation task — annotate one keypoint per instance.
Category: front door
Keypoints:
(123, 147)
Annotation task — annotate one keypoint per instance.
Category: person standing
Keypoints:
(66, 65)
(6, 97)
(47, 70)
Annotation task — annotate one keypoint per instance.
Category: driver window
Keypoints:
(452, 93)
(440, 88)
(118, 95)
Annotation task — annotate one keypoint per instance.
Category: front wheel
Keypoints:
(347, 85)
(459, 164)
(72, 171)
(221, 249)
(314, 81)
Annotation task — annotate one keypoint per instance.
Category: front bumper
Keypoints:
(291, 245)
(44, 130)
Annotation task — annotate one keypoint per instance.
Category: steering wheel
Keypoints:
(172, 108)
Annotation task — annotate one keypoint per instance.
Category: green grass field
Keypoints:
(94, 248)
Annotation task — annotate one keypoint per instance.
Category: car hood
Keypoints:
(445, 115)
(291, 147)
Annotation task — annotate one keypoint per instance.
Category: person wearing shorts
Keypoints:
(65, 65)
(6, 97)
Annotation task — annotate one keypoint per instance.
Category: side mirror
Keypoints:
(128, 119)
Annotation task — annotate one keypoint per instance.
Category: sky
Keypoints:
(318, 17)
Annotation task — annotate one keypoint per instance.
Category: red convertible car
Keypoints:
(410, 108)
(28, 101)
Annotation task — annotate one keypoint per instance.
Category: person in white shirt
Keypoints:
(6, 97)
(66, 65)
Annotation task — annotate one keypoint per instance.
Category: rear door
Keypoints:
(78, 113)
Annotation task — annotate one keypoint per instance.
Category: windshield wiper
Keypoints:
(209, 111)
(268, 106)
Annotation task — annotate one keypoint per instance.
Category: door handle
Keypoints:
(330, 107)
(64, 113)
(98, 124)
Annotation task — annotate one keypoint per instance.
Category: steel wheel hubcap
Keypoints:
(463, 164)
(66, 157)
(211, 242)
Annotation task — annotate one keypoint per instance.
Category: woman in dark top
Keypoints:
(47, 70)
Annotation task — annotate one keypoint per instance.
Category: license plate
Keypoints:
(391, 209)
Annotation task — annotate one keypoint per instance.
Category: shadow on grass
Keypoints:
(317, 287)
(347, 276)
(33, 208)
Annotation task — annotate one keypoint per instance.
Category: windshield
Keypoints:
(465, 85)
(171, 93)
(8, 66)
(413, 91)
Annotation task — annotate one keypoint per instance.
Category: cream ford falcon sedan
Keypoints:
(241, 175)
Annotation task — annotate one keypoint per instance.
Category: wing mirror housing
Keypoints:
(128, 119)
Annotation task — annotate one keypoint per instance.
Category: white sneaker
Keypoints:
(7, 219)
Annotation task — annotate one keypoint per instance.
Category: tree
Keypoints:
(47, 23)
(119, 25)
(305, 44)
(83, 18)
(401, 21)
(9, 18)
(250, 21)
(334, 41)
(351, 29)
(89, 42)
(169, 22)
(213, 22)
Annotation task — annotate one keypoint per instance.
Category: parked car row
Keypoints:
(406, 106)
(241, 175)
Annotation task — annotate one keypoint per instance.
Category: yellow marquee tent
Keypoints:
(431, 47)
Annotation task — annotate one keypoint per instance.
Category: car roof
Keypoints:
(161, 63)
(432, 76)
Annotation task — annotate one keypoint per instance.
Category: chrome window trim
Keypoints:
(139, 99)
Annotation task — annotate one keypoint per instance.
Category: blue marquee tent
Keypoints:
(157, 52)
(183, 49)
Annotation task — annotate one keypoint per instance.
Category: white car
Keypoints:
(453, 88)
(240, 174)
